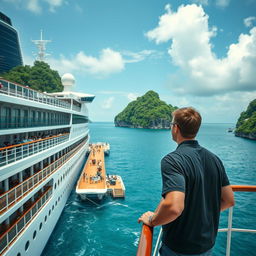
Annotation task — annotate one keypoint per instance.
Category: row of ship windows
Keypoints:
(50, 211)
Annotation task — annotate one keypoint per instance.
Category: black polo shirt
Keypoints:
(200, 174)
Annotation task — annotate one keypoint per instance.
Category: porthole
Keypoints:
(27, 245)
(55, 186)
(58, 198)
(34, 235)
(19, 254)
(61, 179)
(56, 203)
(49, 212)
(53, 207)
(40, 226)
(45, 218)
(58, 182)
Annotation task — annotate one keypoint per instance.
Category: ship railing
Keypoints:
(21, 91)
(10, 197)
(8, 237)
(146, 236)
(14, 153)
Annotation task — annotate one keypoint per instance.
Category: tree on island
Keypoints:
(246, 124)
(39, 77)
(147, 111)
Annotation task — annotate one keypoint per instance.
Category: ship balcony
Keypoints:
(31, 209)
(146, 237)
(17, 152)
(10, 197)
(20, 91)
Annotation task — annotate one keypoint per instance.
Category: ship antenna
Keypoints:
(41, 46)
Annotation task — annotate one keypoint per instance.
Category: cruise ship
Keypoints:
(43, 142)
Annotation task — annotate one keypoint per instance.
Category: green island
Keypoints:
(147, 111)
(246, 124)
(39, 77)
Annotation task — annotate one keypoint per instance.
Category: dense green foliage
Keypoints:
(247, 121)
(145, 110)
(39, 77)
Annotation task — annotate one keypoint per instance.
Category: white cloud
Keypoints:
(222, 3)
(129, 95)
(248, 22)
(140, 56)
(33, 6)
(36, 6)
(107, 104)
(201, 72)
(108, 62)
(132, 96)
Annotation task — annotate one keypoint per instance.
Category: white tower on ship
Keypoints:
(41, 46)
(68, 81)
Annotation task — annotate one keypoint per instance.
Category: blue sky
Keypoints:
(199, 53)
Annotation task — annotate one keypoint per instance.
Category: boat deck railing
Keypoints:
(146, 237)
(8, 237)
(25, 92)
(10, 197)
(17, 152)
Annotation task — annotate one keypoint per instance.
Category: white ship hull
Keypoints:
(43, 145)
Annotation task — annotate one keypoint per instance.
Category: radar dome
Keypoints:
(68, 81)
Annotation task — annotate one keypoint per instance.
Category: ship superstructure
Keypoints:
(43, 143)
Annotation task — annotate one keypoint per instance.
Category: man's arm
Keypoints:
(169, 209)
(227, 198)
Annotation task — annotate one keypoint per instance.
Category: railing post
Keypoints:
(229, 233)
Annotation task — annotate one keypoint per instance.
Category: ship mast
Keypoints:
(41, 46)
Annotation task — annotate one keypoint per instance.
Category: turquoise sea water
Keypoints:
(112, 228)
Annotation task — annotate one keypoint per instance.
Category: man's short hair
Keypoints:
(188, 120)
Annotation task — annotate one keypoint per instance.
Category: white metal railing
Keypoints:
(229, 229)
(13, 195)
(14, 153)
(25, 92)
(13, 232)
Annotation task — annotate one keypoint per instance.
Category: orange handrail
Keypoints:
(33, 141)
(145, 244)
(24, 213)
(146, 236)
(244, 188)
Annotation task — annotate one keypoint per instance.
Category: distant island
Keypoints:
(246, 124)
(147, 111)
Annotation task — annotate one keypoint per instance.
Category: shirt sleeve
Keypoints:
(172, 177)
(225, 180)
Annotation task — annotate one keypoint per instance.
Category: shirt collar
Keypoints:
(192, 143)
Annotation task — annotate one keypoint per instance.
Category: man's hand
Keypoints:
(145, 218)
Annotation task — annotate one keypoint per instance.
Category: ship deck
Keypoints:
(94, 173)
(94, 180)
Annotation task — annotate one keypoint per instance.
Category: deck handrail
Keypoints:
(31, 94)
(18, 191)
(17, 152)
(8, 237)
(146, 236)
(145, 243)
(33, 141)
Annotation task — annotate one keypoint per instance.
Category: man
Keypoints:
(195, 190)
